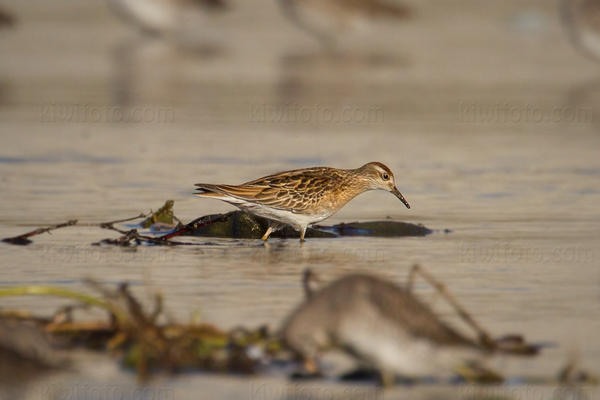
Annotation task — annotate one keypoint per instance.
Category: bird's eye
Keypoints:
(385, 177)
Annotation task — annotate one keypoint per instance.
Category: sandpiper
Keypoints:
(329, 19)
(387, 328)
(582, 20)
(303, 196)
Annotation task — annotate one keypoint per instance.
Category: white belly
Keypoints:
(298, 221)
(387, 346)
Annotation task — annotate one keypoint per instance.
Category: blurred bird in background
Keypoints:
(330, 20)
(582, 20)
(6, 19)
(184, 21)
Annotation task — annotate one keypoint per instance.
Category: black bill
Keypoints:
(399, 195)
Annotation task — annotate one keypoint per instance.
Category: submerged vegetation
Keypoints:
(142, 342)
(235, 225)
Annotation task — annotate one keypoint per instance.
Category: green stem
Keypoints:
(59, 292)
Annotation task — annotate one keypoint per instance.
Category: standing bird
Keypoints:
(303, 196)
(582, 20)
(387, 328)
(328, 20)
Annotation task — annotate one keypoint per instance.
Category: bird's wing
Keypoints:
(297, 191)
(417, 317)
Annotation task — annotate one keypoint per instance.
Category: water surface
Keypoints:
(489, 120)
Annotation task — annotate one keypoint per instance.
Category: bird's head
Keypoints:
(379, 177)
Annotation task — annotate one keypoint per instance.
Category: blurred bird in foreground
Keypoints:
(329, 20)
(582, 20)
(183, 20)
(388, 329)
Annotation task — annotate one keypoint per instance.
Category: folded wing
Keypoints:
(295, 191)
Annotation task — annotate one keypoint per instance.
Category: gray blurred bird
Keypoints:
(582, 21)
(180, 19)
(329, 20)
(6, 19)
(385, 327)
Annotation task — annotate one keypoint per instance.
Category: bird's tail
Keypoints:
(208, 190)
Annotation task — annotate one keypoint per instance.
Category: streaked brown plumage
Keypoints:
(383, 325)
(303, 196)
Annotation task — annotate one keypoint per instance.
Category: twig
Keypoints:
(134, 235)
(59, 292)
(484, 337)
(195, 224)
(119, 221)
(128, 236)
(22, 239)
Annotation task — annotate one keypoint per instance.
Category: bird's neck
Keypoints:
(351, 187)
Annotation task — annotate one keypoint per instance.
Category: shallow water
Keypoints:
(486, 114)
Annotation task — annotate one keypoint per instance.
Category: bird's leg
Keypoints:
(484, 337)
(309, 369)
(310, 366)
(267, 233)
(386, 379)
(302, 232)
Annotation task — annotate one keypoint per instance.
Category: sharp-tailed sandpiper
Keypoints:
(303, 196)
